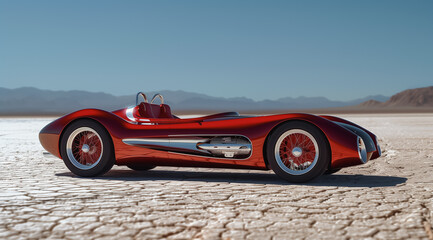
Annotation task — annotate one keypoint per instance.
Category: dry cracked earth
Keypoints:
(388, 198)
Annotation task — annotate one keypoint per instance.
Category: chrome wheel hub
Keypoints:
(85, 148)
(297, 151)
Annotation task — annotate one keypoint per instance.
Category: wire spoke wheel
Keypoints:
(84, 148)
(296, 151)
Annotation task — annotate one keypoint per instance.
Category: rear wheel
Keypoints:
(86, 148)
(298, 151)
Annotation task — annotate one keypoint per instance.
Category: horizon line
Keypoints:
(180, 90)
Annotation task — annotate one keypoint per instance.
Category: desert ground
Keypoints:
(387, 198)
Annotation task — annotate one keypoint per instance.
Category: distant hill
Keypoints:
(411, 98)
(418, 97)
(29, 100)
(371, 103)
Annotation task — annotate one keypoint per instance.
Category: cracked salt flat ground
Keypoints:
(388, 198)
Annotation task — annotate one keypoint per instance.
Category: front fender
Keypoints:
(343, 143)
(377, 152)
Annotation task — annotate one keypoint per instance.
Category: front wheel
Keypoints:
(297, 151)
(86, 148)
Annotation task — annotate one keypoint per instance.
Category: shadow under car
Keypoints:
(267, 177)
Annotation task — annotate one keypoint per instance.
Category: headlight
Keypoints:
(362, 150)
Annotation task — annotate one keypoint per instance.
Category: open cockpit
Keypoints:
(145, 112)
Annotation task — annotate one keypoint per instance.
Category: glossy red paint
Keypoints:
(376, 154)
(342, 142)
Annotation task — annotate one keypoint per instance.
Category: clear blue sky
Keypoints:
(258, 49)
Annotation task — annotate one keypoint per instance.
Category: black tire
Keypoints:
(314, 163)
(69, 146)
(140, 167)
(331, 171)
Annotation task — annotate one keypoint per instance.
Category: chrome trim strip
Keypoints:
(190, 146)
(129, 114)
(211, 135)
(146, 141)
(187, 144)
(213, 157)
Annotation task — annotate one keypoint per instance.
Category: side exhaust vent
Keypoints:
(227, 147)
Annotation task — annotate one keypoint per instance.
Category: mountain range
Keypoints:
(31, 101)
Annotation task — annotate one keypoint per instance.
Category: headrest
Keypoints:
(165, 111)
(145, 110)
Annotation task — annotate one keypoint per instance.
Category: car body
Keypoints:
(297, 146)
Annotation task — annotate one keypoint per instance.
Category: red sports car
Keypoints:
(297, 147)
